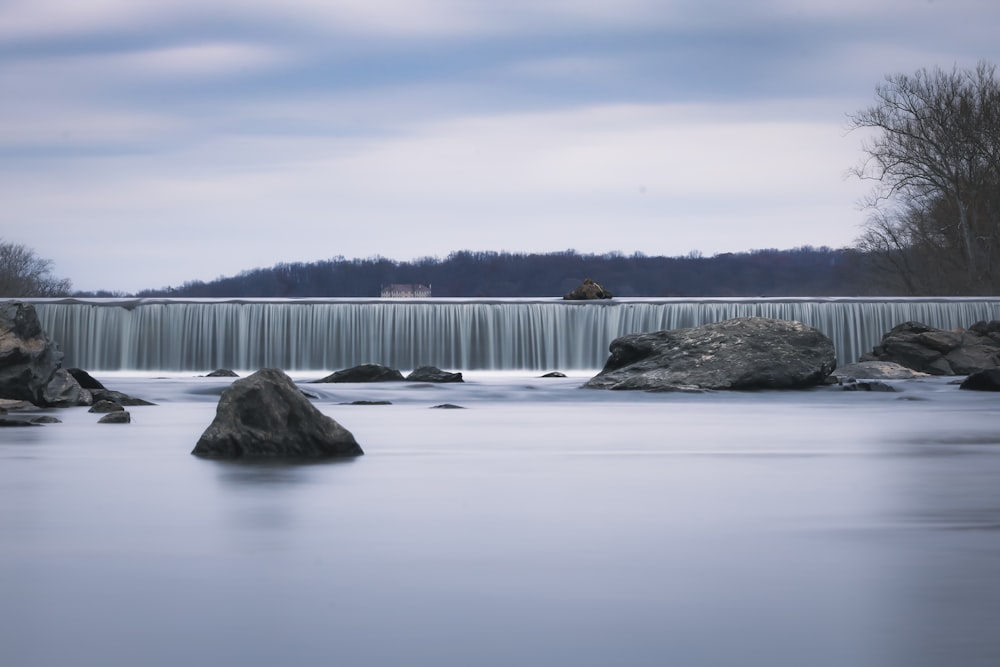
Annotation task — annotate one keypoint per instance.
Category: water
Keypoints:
(462, 334)
(542, 525)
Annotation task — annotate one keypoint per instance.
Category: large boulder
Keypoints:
(938, 352)
(265, 416)
(586, 291)
(743, 353)
(30, 363)
(364, 373)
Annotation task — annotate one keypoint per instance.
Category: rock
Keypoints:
(117, 417)
(10, 405)
(586, 291)
(84, 379)
(877, 370)
(743, 353)
(46, 419)
(447, 406)
(365, 373)
(368, 403)
(222, 373)
(118, 397)
(554, 374)
(938, 352)
(986, 380)
(63, 391)
(103, 406)
(433, 374)
(28, 359)
(868, 385)
(14, 421)
(265, 415)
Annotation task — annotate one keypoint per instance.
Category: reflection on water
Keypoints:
(269, 473)
(542, 527)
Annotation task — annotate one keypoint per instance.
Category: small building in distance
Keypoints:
(406, 291)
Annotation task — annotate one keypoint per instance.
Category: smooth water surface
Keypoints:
(542, 525)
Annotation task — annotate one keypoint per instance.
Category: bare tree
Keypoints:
(935, 161)
(25, 274)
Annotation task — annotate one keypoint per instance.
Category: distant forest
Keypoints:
(805, 271)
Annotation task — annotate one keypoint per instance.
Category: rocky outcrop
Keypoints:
(222, 373)
(938, 352)
(365, 373)
(588, 290)
(29, 360)
(743, 353)
(265, 416)
(433, 374)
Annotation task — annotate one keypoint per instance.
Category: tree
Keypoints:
(935, 158)
(25, 274)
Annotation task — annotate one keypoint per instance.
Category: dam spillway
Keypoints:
(461, 334)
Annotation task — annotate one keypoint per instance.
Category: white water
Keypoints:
(456, 334)
(542, 525)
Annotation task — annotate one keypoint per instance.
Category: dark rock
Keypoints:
(588, 290)
(938, 352)
(743, 353)
(868, 385)
(433, 374)
(447, 406)
(14, 421)
(29, 360)
(118, 397)
(987, 380)
(118, 417)
(266, 416)
(222, 373)
(84, 379)
(368, 403)
(63, 391)
(365, 373)
(103, 406)
(554, 374)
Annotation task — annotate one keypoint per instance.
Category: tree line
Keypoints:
(800, 272)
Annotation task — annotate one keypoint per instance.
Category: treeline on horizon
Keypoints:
(805, 271)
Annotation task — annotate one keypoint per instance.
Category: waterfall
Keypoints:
(459, 334)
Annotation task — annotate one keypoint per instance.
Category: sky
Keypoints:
(147, 143)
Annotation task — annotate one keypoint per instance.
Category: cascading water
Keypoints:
(462, 334)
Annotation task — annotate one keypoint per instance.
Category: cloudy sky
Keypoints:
(144, 143)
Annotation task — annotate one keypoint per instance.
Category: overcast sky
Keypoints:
(144, 143)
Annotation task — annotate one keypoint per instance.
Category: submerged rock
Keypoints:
(222, 373)
(743, 353)
(365, 373)
(266, 416)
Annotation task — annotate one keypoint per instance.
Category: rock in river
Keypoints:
(743, 353)
(265, 415)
